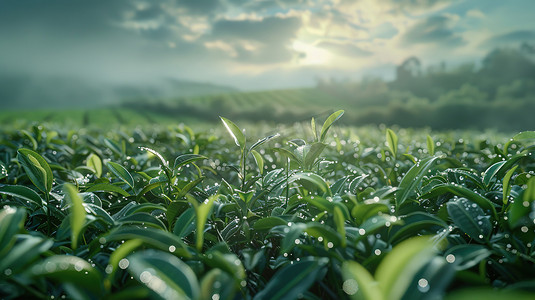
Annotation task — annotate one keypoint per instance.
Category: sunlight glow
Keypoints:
(312, 55)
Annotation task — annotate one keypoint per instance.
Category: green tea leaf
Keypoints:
(522, 206)
(202, 211)
(24, 252)
(268, 222)
(37, 169)
(165, 274)
(155, 238)
(413, 179)
(185, 159)
(235, 132)
(430, 145)
(23, 193)
(117, 259)
(77, 215)
(121, 173)
(263, 140)
(311, 154)
(507, 185)
(107, 187)
(398, 268)
(461, 191)
(259, 161)
(392, 142)
(185, 224)
(227, 262)
(470, 219)
(11, 222)
(328, 123)
(69, 269)
(293, 280)
(313, 178)
(94, 163)
(314, 131)
(466, 256)
(359, 284)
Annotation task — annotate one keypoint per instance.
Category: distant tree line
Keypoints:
(498, 92)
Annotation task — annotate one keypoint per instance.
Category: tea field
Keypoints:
(309, 211)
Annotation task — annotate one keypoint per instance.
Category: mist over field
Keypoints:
(411, 63)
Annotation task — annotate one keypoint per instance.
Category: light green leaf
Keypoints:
(185, 159)
(314, 131)
(430, 145)
(359, 284)
(235, 132)
(392, 142)
(398, 268)
(117, 256)
(203, 210)
(37, 169)
(94, 163)
(259, 161)
(77, 215)
(506, 184)
(329, 122)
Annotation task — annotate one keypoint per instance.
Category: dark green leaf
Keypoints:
(121, 173)
(412, 180)
(11, 222)
(470, 219)
(22, 192)
(293, 280)
(165, 274)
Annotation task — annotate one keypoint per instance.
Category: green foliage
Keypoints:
(341, 216)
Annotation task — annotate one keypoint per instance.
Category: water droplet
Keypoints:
(124, 263)
(450, 258)
(350, 287)
(423, 285)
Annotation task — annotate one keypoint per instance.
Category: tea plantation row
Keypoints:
(342, 214)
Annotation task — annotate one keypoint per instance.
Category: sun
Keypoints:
(312, 55)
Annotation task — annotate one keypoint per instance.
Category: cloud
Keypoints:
(475, 13)
(258, 41)
(384, 31)
(435, 30)
(200, 7)
(419, 4)
(267, 30)
(511, 38)
(345, 49)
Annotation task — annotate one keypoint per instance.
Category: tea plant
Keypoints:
(354, 214)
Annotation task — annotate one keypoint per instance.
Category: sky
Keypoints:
(250, 45)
